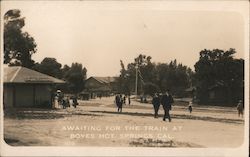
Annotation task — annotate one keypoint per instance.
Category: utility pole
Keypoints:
(136, 78)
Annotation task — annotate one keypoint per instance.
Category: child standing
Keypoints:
(190, 108)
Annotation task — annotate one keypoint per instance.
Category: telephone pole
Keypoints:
(136, 78)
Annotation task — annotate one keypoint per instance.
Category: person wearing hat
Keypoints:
(166, 102)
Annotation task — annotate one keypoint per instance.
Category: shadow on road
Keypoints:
(26, 113)
(175, 116)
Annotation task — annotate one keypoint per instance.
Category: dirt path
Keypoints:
(97, 123)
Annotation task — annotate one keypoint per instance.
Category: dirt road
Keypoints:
(97, 123)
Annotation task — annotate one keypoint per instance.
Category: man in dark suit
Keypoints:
(118, 102)
(166, 102)
(156, 103)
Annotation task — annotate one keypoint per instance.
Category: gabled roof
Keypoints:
(103, 80)
(18, 74)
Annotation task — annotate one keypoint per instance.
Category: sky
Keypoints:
(101, 33)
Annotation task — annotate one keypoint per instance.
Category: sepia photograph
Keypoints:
(125, 78)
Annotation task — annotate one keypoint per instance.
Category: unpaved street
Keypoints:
(97, 123)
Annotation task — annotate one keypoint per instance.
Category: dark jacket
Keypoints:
(156, 101)
(117, 99)
(167, 101)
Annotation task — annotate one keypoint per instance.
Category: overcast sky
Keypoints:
(99, 34)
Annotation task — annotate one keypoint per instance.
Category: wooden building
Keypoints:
(100, 86)
(221, 94)
(23, 87)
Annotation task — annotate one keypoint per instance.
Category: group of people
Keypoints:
(120, 101)
(62, 101)
(166, 100)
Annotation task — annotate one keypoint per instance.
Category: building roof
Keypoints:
(18, 74)
(103, 80)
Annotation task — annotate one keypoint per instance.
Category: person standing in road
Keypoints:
(156, 103)
(75, 103)
(124, 100)
(129, 101)
(64, 103)
(117, 101)
(166, 102)
(240, 108)
(120, 104)
(56, 104)
(190, 108)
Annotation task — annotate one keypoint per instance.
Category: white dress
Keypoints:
(56, 102)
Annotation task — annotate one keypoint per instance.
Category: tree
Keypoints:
(174, 77)
(152, 77)
(18, 45)
(75, 77)
(65, 70)
(145, 74)
(150, 88)
(219, 68)
(50, 67)
(123, 80)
